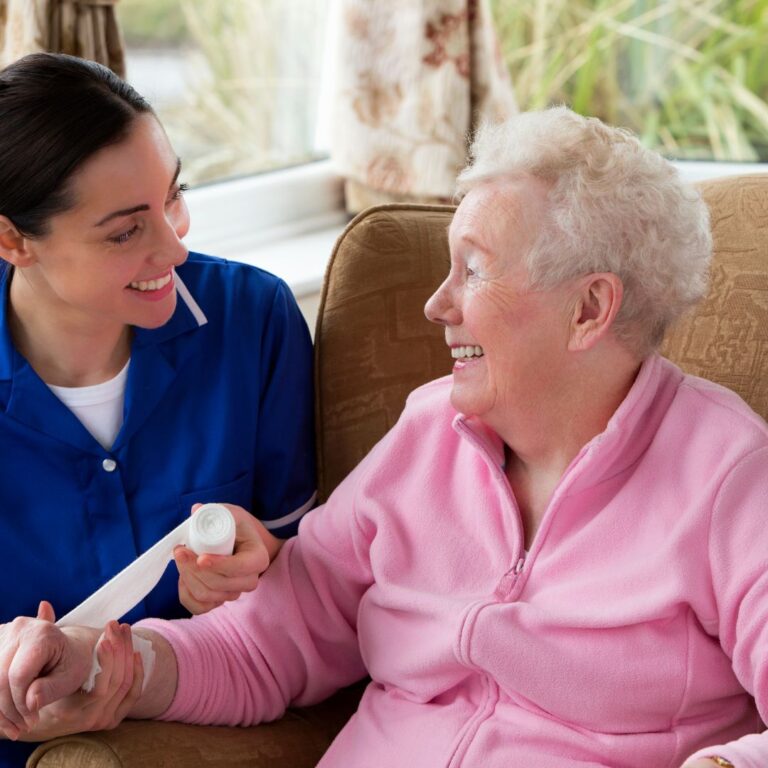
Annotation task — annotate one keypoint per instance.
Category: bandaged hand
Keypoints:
(43, 667)
(206, 581)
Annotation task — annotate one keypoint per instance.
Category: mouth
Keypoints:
(466, 353)
(156, 284)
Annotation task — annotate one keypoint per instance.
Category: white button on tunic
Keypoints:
(109, 465)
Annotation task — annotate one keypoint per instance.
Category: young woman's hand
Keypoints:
(116, 689)
(206, 581)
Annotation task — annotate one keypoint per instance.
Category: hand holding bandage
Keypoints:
(208, 580)
(42, 662)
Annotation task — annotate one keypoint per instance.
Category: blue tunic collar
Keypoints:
(152, 372)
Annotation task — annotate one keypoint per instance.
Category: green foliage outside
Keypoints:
(689, 76)
(152, 23)
(247, 104)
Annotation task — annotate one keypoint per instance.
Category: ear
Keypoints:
(598, 302)
(14, 247)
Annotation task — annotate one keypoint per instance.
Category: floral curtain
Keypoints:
(85, 28)
(414, 78)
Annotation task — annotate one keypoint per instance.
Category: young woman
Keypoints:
(136, 379)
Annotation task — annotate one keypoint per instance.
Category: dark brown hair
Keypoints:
(55, 112)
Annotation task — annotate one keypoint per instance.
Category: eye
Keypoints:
(178, 193)
(123, 237)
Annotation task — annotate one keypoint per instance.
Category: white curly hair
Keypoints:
(615, 206)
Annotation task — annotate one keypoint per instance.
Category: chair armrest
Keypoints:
(298, 740)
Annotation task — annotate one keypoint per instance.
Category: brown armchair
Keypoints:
(372, 347)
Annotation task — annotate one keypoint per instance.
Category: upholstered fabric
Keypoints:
(296, 741)
(373, 346)
(725, 339)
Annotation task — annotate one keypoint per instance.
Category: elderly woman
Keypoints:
(557, 556)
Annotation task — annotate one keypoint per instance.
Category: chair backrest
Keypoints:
(725, 337)
(373, 344)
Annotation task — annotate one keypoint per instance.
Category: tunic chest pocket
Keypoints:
(238, 491)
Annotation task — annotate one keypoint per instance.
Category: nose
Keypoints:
(170, 249)
(441, 308)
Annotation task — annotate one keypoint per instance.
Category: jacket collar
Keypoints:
(627, 435)
(151, 374)
(187, 316)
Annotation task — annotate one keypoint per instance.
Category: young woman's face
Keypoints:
(110, 258)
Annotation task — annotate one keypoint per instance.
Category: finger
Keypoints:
(201, 592)
(10, 730)
(246, 563)
(251, 532)
(10, 718)
(127, 654)
(221, 586)
(105, 657)
(45, 612)
(195, 507)
(186, 559)
(123, 706)
(195, 607)
(31, 658)
(64, 676)
(203, 578)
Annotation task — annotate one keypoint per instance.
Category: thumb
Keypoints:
(45, 612)
(46, 690)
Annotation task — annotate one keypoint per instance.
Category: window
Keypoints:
(690, 77)
(235, 82)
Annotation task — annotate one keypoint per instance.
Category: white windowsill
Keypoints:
(284, 222)
(698, 170)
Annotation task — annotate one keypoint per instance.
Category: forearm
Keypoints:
(160, 687)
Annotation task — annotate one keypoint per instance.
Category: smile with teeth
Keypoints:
(151, 285)
(460, 353)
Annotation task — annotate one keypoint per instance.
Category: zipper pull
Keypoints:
(507, 583)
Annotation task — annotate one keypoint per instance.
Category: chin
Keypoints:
(463, 404)
(157, 318)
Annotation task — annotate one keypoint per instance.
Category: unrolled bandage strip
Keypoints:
(210, 530)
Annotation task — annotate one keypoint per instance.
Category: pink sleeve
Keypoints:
(739, 563)
(293, 640)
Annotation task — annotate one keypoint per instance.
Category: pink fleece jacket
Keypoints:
(634, 632)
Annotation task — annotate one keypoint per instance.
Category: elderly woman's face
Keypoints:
(505, 340)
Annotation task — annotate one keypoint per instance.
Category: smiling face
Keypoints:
(508, 342)
(108, 261)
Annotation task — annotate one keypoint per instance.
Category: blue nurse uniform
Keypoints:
(218, 407)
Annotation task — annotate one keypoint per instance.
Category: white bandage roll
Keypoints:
(210, 530)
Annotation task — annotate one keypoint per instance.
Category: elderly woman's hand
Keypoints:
(116, 689)
(39, 664)
(206, 581)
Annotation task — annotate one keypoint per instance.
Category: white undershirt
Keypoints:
(99, 407)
